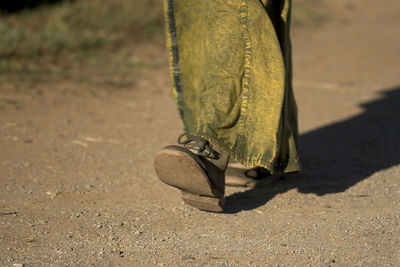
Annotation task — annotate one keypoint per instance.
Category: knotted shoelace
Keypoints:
(201, 146)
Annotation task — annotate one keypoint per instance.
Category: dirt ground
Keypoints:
(77, 185)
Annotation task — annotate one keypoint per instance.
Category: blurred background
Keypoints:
(94, 40)
(82, 40)
(57, 39)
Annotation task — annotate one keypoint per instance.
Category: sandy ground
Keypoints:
(77, 185)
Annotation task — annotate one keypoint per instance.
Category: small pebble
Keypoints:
(187, 257)
(89, 186)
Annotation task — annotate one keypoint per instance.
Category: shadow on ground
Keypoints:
(338, 156)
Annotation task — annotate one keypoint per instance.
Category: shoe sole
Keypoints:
(180, 168)
(204, 202)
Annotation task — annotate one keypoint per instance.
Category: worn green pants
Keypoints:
(231, 75)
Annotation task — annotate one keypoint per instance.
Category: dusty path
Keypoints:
(77, 185)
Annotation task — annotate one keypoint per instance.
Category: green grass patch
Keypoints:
(77, 25)
(70, 32)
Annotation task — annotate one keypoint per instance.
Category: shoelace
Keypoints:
(201, 146)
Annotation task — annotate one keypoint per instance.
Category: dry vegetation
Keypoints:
(77, 40)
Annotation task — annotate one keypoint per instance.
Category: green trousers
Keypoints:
(230, 63)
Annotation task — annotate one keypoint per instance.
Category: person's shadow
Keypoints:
(338, 156)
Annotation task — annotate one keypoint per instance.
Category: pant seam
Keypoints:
(172, 43)
(247, 66)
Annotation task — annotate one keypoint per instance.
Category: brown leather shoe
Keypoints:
(197, 168)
